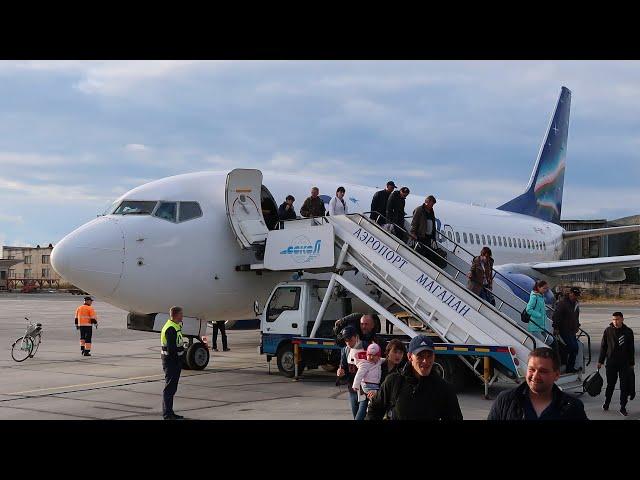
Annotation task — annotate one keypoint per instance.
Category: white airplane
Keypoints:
(174, 241)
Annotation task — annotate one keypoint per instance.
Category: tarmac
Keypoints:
(124, 379)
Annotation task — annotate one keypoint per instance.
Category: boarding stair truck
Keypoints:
(485, 339)
(511, 298)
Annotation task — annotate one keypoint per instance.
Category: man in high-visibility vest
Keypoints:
(172, 352)
(85, 319)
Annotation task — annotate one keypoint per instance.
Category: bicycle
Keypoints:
(27, 345)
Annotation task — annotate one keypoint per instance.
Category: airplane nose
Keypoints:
(92, 257)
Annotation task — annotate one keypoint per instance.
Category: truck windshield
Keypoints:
(284, 298)
(135, 207)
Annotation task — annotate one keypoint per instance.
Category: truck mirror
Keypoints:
(256, 308)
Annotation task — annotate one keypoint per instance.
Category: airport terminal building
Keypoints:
(27, 267)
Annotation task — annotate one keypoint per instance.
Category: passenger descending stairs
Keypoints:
(429, 293)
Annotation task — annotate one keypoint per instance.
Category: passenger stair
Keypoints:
(432, 295)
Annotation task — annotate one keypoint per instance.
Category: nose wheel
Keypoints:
(197, 356)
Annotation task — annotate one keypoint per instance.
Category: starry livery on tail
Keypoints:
(543, 196)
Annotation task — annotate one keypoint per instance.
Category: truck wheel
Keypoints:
(285, 359)
(453, 372)
(197, 356)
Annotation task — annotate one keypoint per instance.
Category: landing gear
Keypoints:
(196, 356)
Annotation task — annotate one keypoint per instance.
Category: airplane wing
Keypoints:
(583, 265)
(598, 232)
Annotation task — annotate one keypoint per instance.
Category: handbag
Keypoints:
(593, 384)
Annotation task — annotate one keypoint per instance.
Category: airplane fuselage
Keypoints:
(145, 264)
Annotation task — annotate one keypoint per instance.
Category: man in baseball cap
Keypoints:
(347, 370)
(566, 323)
(416, 393)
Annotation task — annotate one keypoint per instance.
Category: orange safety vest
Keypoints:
(84, 314)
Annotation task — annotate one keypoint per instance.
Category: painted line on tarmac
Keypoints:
(83, 384)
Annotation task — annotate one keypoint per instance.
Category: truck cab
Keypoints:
(290, 312)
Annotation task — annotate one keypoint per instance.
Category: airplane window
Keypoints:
(464, 237)
(489, 239)
(504, 241)
(457, 237)
(450, 235)
(494, 241)
(544, 245)
(471, 238)
(189, 210)
(499, 241)
(484, 240)
(519, 243)
(528, 244)
(135, 207)
(284, 298)
(167, 211)
(477, 239)
(510, 241)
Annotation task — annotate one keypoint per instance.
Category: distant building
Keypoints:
(33, 267)
(626, 244)
(591, 247)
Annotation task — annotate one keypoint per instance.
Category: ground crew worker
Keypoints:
(172, 351)
(85, 319)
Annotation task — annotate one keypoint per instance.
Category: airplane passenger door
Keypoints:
(242, 192)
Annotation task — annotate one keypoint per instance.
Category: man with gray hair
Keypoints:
(172, 352)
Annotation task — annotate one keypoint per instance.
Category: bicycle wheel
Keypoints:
(36, 343)
(21, 349)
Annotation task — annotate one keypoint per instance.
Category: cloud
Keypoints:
(50, 193)
(11, 218)
(136, 148)
(22, 160)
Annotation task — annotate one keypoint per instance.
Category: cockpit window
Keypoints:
(189, 210)
(167, 211)
(135, 207)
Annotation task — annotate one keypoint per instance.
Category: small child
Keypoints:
(369, 371)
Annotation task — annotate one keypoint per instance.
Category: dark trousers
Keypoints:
(613, 372)
(85, 337)
(572, 348)
(389, 327)
(172, 368)
(219, 325)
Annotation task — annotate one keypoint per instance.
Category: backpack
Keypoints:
(593, 384)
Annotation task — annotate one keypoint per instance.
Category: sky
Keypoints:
(75, 135)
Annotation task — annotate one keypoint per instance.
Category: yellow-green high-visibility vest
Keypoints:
(163, 338)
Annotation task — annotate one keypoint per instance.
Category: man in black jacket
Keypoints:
(367, 327)
(566, 321)
(395, 210)
(286, 210)
(617, 348)
(379, 203)
(539, 398)
(416, 393)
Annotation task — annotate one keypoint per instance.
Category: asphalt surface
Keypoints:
(124, 379)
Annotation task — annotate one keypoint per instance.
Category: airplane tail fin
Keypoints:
(543, 195)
